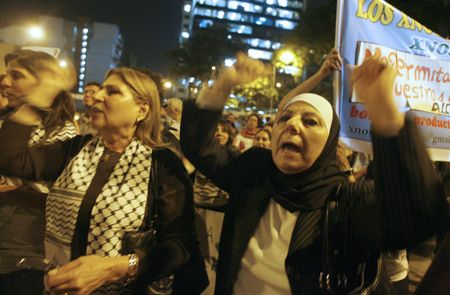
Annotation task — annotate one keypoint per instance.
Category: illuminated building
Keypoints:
(259, 23)
(98, 48)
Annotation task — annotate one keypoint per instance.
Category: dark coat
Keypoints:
(177, 249)
(405, 205)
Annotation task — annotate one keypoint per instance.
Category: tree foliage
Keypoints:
(203, 50)
(256, 94)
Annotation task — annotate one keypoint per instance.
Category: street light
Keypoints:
(287, 57)
(167, 84)
(36, 32)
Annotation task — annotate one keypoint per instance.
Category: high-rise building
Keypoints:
(97, 48)
(259, 23)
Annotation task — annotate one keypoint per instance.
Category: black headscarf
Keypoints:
(308, 190)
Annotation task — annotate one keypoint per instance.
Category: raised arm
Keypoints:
(332, 63)
(40, 162)
(374, 83)
(199, 120)
(409, 203)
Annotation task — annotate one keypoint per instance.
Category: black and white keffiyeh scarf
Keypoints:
(62, 133)
(119, 208)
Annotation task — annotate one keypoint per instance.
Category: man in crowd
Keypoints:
(173, 109)
(84, 121)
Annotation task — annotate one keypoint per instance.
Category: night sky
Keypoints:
(148, 26)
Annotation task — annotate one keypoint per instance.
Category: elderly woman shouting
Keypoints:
(273, 231)
(101, 193)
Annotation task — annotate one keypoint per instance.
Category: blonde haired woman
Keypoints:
(102, 194)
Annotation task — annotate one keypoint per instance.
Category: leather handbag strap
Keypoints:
(152, 201)
(330, 249)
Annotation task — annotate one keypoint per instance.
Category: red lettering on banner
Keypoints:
(354, 112)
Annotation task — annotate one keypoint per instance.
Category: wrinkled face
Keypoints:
(262, 139)
(252, 123)
(89, 92)
(298, 138)
(173, 112)
(114, 107)
(17, 83)
(221, 135)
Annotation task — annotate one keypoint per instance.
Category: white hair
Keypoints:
(176, 103)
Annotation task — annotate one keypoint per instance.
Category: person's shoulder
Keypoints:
(167, 157)
(256, 157)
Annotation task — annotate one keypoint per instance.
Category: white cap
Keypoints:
(319, 103)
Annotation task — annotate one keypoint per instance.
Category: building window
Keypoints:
(283, 3)
(259, 54)
(271, 11)
(219, 14)
(218, 3)
(258, 9)
(262, 21)
(276, 46)
(285, 24)
(204, 12)
(206, 23)
(234, 16)
(187, 8)
(285, 13)
(238, 5)
(240, 29)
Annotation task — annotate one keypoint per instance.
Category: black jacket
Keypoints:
(177, 250)
(405, 205)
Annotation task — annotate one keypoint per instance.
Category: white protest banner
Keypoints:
(422, 59)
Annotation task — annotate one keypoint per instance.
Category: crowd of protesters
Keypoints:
(248, 210)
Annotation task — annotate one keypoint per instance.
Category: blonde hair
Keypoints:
(143, 89)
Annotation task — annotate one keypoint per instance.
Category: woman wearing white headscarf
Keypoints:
(272, 234)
